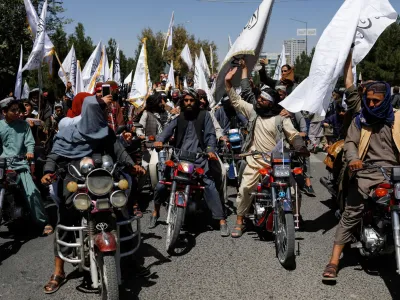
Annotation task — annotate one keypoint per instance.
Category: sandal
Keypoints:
(238, 230)
(330, 272)
(56, 281)
(48, 230)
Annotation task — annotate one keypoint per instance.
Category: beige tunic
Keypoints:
(265, 132)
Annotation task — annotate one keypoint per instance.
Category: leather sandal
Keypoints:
(238, 230)
(55, 282)
(330, 272)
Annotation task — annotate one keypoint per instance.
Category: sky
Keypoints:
(123, 20)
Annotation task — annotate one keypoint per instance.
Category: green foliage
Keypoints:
(83, 44)
(302, 65)
(383, 61)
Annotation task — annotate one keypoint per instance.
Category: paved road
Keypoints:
(215, 267)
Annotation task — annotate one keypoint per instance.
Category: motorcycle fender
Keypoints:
(105, 242)
(180, 199)
(287, 205)
(270, 222)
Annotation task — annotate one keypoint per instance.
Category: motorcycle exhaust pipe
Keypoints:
(396, 237)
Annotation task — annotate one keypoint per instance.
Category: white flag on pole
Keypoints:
(185, 85)
(140, 88)
(36, 57)
(117, 68)
(92, 64)
(229, 42)
(171, 76)
(187, 57)
(211, 58)
(25, 91)
(33, 21)
(128, 78)
(358, 21)
(200, 81)
(18, 82)
(100, 74)
(105, 69)
(69, 66)
(79, 86)
(203, 63)
(170, 32)
(247, 46)
(281, 63)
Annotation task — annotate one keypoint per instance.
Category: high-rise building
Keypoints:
(272, 62)
(294, 48)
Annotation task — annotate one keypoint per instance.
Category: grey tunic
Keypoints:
(381, 151)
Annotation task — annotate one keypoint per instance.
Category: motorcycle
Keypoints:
(14, 209)
(185, 181)
(99, 193)
(273, 204)
(379, 232)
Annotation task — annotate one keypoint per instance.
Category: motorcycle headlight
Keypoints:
(86, 165)
(118, 199)
(397, 191)
(81, 201)
(107, 163)
(99, 182)
(186, 167)
(282, 171)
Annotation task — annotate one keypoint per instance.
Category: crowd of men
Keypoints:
(82, 124)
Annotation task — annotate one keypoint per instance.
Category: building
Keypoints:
(273, 59)
(294, 48)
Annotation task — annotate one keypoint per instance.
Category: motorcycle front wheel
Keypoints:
(177, 216)
(108, 277)
(285, 239)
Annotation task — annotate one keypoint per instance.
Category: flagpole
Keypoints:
(40, 88)
(165, 41)
(62, 68)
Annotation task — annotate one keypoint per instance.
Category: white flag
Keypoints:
(92, 64)
(117, 68)
(18, 82)
(36, 57)
(229, 42)
(111, 71)
(247, 46)
(170, 32)
(128, 78)
(141, 79)
(105, 70)
(281, 63)
(171, 76)
(358, 21)
(69, 66)
(187, 57)
(203, 63)
(33, 21)
(200, 81)
(25, 91)
(79, 86)
(185, 85)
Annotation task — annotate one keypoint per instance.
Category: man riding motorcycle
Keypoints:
(373, 138)
(263, 133)
(194, 132)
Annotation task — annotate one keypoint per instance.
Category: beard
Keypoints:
(190, 112)
(266, 112)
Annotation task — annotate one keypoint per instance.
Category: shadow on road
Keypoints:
(324, 222)
(9, 248)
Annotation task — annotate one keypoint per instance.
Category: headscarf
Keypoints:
(80, 139)
(271, 95)
(381, 114)
(77, 105)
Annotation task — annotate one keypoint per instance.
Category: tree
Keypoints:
(83, 44)
(302, 65)
(14, 32)
(383, 61)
